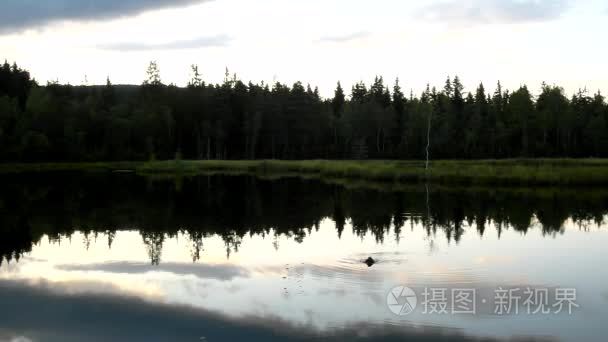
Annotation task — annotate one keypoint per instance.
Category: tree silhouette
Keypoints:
(153, 75)
(237, 120)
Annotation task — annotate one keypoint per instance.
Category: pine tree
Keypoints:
(447, 89)
(108, 95)
(522, 108)
(195, 80)
(359, 92)
(153, 75)
(338, 101)
(399, 103)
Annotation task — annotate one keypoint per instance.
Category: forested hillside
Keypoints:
(235, 120)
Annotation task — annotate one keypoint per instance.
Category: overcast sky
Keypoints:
(315, 41)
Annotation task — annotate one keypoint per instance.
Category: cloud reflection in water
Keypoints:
(40, 312)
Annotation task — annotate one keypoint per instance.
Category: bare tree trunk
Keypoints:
(198, 145)
(336, 137)
(273, 154)
(428, 208)
(253, 144)
(383, 144)
(246, 147)
(428, 142)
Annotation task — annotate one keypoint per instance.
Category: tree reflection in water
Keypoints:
(232, 207)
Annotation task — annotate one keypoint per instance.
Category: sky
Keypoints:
(319, 42)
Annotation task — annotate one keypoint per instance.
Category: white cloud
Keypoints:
(321, 42)
(344, 37)
(493, 11)
(196, 43)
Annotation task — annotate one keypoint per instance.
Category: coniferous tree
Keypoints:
(153, 75)
(196, 80)
(337, 104)
(399, 141)
(521, 108)
(236, 120)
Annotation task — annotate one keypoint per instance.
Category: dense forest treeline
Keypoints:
(234, 120)
(59, 204)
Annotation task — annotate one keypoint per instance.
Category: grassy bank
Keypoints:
(493, 172)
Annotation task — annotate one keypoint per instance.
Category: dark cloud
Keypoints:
(218, 272)
(344, 38)
(21, 14)
(471, 12)
(201, 42)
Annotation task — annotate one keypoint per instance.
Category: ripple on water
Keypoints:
(350, 271)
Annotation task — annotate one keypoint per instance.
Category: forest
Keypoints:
(236, 120)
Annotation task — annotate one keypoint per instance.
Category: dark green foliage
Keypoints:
(235, 120)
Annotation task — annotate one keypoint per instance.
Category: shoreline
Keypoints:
(473, 172)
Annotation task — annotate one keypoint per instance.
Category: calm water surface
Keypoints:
(117, 257)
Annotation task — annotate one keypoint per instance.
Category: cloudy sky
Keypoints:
(315, 41)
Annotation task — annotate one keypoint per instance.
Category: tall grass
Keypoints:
(498, 172)
(483, 172)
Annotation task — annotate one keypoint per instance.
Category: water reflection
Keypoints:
(233, 207)
(112, 317)
(219, 272)
(119, 257)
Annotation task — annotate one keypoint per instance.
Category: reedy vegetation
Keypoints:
(482, 172)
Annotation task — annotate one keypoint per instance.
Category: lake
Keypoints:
(120, 257)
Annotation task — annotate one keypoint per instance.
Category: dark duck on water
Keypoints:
(370, 261)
